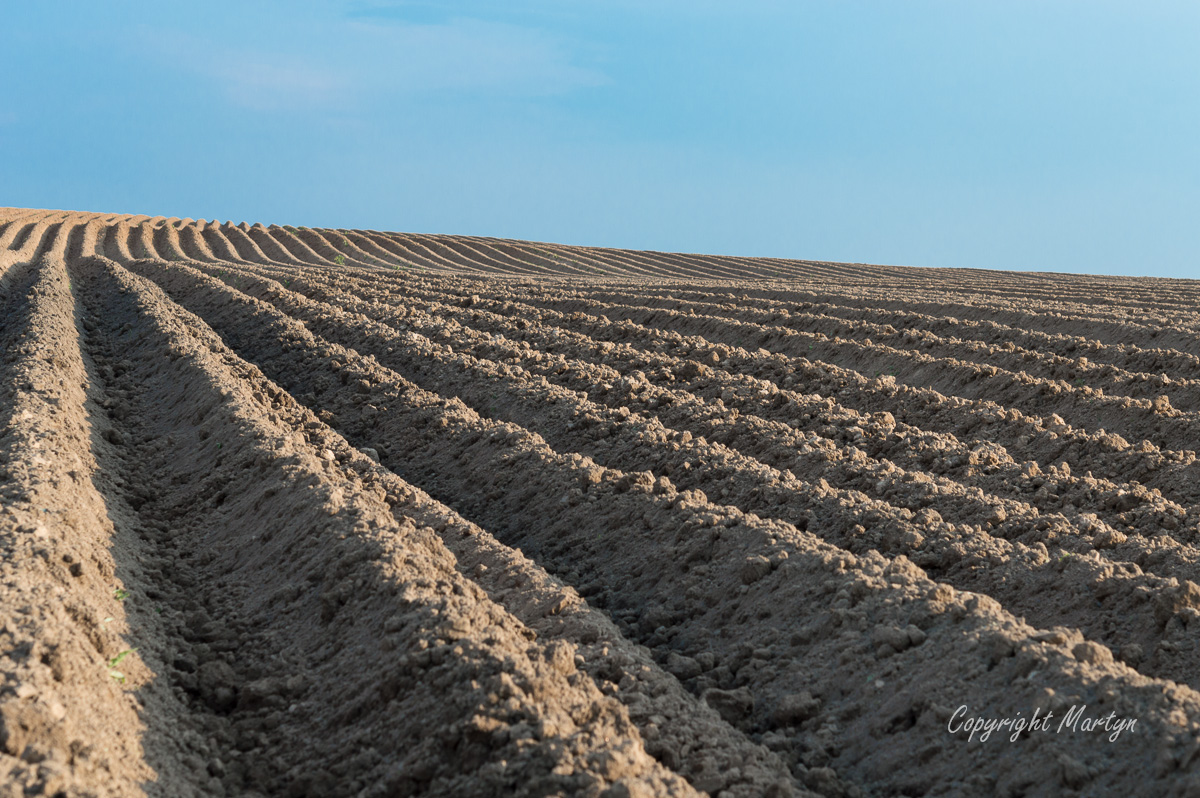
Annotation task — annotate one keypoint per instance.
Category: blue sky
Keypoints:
(1049, 136)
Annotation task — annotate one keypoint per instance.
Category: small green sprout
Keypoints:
(120, 594)
(115, 661)
(340, 260)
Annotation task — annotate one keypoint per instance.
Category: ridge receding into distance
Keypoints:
(316, 511)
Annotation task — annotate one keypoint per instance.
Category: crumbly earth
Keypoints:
(313, 512)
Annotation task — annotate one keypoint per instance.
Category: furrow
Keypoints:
(429, 250)
(941, 528)
(623, 674)
(167, 245)
(348, 254)
(1128, 366)
(315, 242)
(116, 241)
(243, 244)
(722, 269)
(706, 267)
(915, 334)
(362, 250)
(1059, 302)
(563, 509)
(623, 261)
(539, 259)
(14, 220)
(650, 262)
(272, 250)
(957, 306)
(298, 249)
(607, 262)
(348, 512)
(1137, 419)
(1104, 452)
(455, 252)
(364, 242)
(939, 452)
(71, 240)
(53, 236)
(672, 721)
(665, 264)
(408, 256)
(35, 240)
(191, 243)
(17, 233)
(770, 394)
(767, 394)
(1106, 512)
(741, 269)
(404, 676)
(683, 733)
(1028, 315)
(613, 260)
(140, 242)
(510, 252)
(1088, 291)
(526, 259)
(94, 240)
(220, 246)
(66, 725)
(460, 251)
(22, 235)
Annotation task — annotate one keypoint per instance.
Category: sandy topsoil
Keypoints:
(310, 512)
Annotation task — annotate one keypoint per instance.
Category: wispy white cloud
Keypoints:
(339, 62)
(470, 55)
(259, 82)
(253, 79)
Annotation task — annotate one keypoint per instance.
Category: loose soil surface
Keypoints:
(312, 512)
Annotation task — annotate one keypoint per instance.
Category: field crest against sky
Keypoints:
(1019, 135)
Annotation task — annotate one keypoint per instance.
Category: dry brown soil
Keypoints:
(313, 512)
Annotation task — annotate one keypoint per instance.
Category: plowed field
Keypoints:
(317, 512)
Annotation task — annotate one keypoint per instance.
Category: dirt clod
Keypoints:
(293, 511)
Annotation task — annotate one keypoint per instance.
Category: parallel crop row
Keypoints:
(342, 512)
